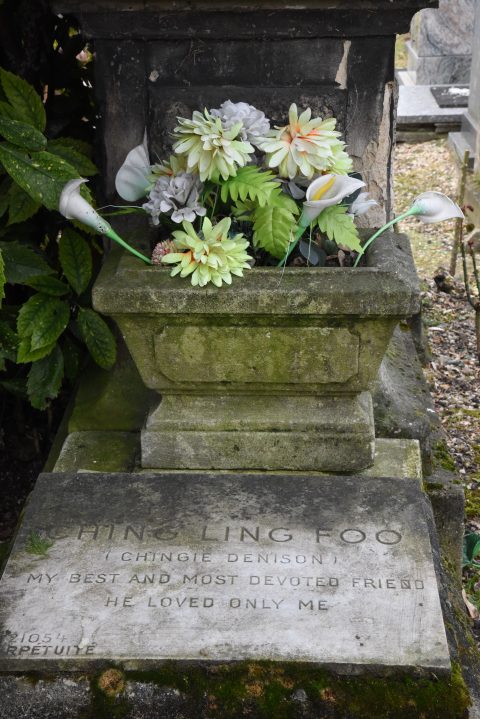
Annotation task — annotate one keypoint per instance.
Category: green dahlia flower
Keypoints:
(306, 147)
(210, 149)
(210, 257)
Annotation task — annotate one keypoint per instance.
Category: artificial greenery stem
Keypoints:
(111, 234)
(409, 213)
(298, 235)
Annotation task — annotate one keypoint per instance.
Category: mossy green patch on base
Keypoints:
(472, 502)
(266, 690)
(442, 457)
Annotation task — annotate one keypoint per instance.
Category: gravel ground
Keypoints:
(454, 371)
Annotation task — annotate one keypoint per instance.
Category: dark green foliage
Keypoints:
(76, 260)
(471, 550)
(98, 338)
(46, 268)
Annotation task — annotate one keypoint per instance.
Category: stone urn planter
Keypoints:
(271, 373)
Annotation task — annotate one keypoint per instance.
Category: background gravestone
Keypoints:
(440, 49)
(469, 137)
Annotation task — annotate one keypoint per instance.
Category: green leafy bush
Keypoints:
(46, 320)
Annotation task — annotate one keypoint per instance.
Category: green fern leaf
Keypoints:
(273, 230)
(281, 199)
(249, 183)
(243, 211)
(339, 226)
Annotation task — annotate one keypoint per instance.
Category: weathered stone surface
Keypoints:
(156, 312)
(144, 569)
(396, 458)
(469, 137)
(99, 451)
(80, 452)
(260, 432)
(159, 60)
(257, 355)
(440, 51)
(402, 403)
(438, 69)
(111, 400)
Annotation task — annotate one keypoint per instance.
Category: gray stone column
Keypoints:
(440, 49)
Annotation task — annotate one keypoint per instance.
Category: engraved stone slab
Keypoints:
(335, 571)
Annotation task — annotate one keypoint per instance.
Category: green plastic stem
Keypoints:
(409, 213)
(293, 244)
(113, 236)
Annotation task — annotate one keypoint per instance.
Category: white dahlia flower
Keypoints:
(306, 147)
(210, 149)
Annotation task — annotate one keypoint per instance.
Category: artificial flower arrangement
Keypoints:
(236, 192)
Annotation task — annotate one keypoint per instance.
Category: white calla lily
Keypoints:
(74, 207)
(430, 206)
(435, 207)
(361, 205)
(326, 191)
(132, 180)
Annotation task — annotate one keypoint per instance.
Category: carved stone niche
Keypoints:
(156, 60)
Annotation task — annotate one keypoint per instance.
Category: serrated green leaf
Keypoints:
(3, 278)
(274, 229)
(21, 206)
(98, 338)
(76, 259)
(6, 110)
(22, 262)
(43, 319)
(22, 135)
(281, 199)
(243, 210)
(339, 226)
(66, 149)
(72, 355)
(45, 379)
(42, 176)
(48, 285)
(249, 183)
(24, 99)
(8, 342)
(51, 322)
(15, 386)
(25, 353)
(5, 185)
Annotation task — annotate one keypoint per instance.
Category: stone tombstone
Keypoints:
(440, 49)
(139, 569)
(156, 60)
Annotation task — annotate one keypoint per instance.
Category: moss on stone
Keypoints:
(472, 502)
(442, 457)
(270, 689)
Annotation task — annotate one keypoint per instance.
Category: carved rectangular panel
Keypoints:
(303, 355)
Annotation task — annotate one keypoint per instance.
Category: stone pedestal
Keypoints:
(440, 49)
(274, 372)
